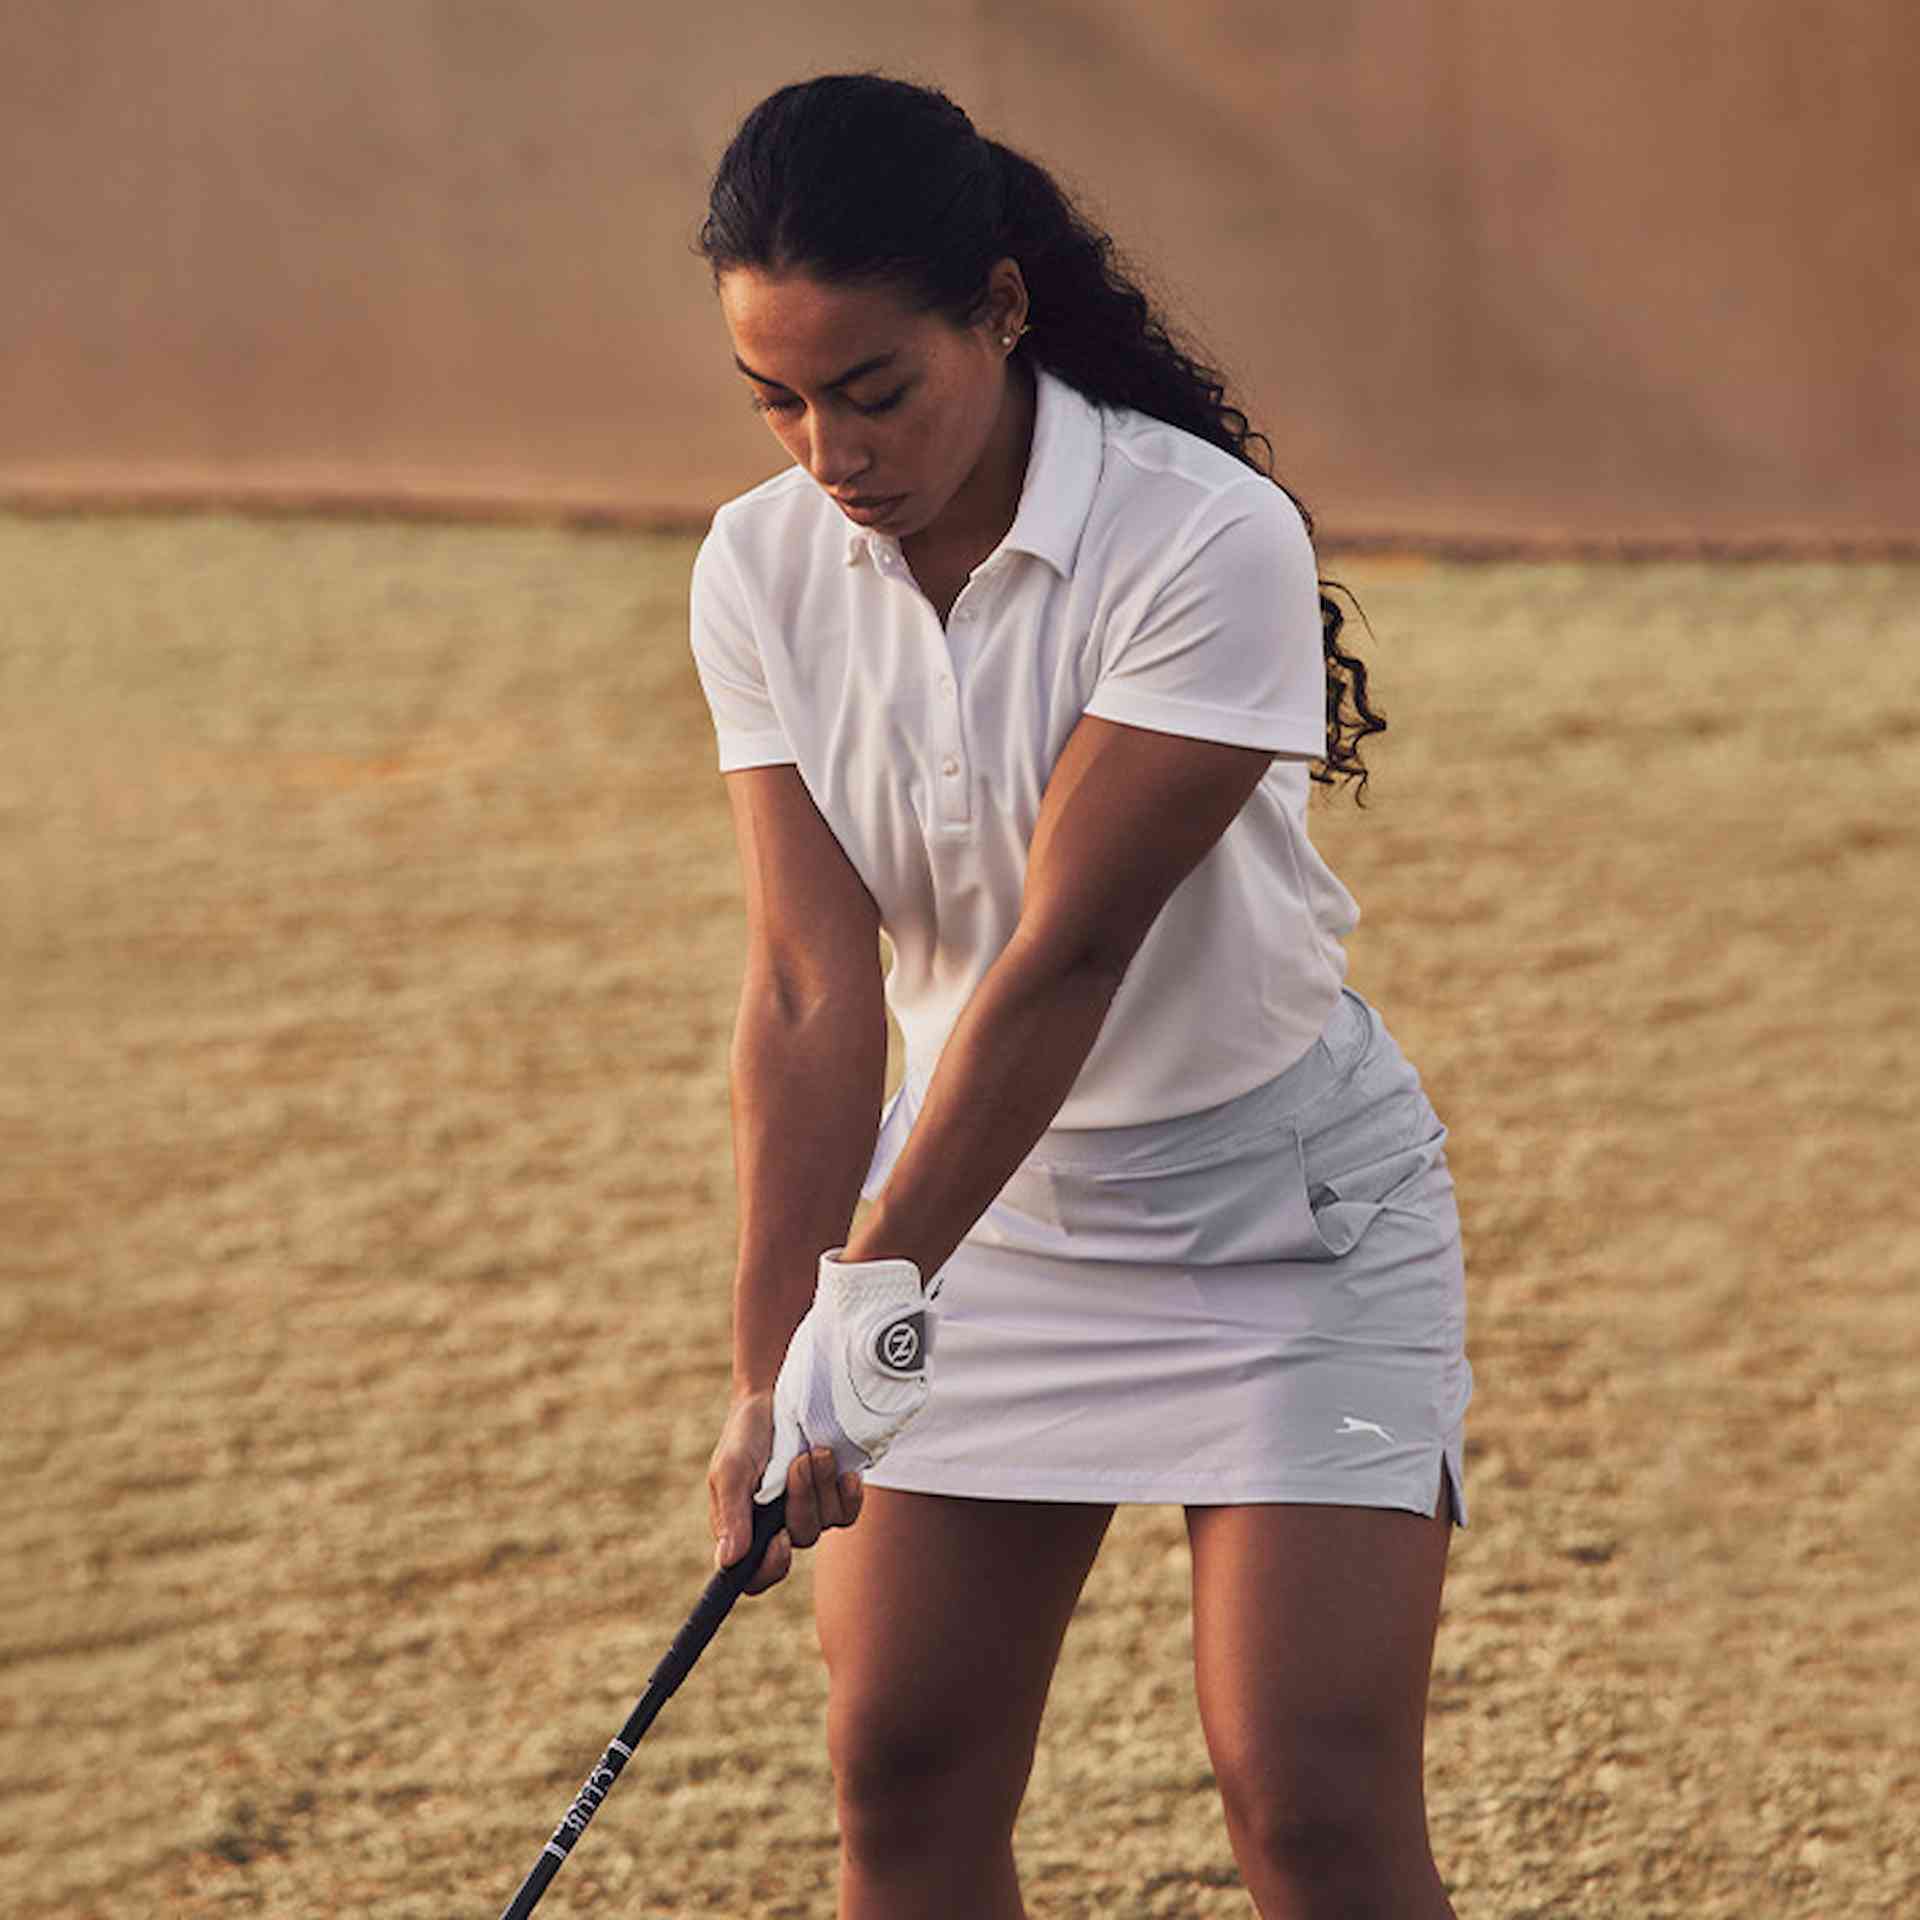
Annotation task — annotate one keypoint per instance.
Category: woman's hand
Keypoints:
(854, 1374)
(819, 1495)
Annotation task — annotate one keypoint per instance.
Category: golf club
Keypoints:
(688, 1644)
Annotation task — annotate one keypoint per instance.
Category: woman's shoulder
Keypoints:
(1164, 483)
(779, 519)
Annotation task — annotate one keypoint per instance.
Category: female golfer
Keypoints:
(1024, 664)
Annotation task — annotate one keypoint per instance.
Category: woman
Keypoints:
(1024, 663)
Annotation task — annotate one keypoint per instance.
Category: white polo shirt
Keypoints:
(1148, 578)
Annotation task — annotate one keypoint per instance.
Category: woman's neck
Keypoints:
(977, 518)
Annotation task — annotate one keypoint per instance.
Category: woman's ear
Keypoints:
(1006, 303)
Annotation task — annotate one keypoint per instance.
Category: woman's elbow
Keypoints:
(795, 997)
(1094, 959)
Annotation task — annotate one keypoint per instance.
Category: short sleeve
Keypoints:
(727, 658)
(1229, 646)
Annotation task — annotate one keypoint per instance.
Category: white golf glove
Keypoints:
(855, 1371)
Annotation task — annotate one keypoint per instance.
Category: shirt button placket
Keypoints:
(953, 804)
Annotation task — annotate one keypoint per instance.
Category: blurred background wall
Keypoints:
(1483, 269)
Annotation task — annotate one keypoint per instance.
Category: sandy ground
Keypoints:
(368, 933)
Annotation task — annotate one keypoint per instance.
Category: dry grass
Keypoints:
(368, 939)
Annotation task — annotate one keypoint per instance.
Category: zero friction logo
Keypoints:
(899, 1344)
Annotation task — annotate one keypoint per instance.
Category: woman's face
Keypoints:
(889, 409)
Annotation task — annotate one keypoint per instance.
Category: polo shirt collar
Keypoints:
(1063, 474)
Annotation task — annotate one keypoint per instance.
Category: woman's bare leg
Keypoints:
(1313, 1642)
(941, 1620)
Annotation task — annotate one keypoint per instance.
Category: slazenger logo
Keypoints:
(899, 1344)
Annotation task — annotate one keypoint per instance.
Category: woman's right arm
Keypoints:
(808, 1074)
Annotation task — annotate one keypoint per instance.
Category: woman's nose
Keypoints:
(834, 454)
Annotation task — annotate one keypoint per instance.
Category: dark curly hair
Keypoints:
(858, 177)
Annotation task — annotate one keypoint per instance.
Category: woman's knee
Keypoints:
(1323, 1806)
(906, 1782)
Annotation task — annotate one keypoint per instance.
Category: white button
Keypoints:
(950, 766)
(946, 685)
(965, 613)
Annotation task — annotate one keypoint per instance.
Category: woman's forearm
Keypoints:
(807, 1082)
(1008, 1067)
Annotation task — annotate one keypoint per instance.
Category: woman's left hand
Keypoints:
(854, 1375)
(855, 1371)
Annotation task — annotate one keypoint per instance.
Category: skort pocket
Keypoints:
(1378, 1144)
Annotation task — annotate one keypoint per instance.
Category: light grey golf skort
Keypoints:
(1264, 1301)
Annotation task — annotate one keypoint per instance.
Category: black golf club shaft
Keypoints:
(689, 1643)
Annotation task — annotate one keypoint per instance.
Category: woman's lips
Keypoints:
(871, 510)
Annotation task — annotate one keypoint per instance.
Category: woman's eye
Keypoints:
(791, 403)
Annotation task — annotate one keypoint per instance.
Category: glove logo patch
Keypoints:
(900, 1344)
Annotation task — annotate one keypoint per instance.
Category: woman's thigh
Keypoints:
(1313, 1642)
(941, 1620)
